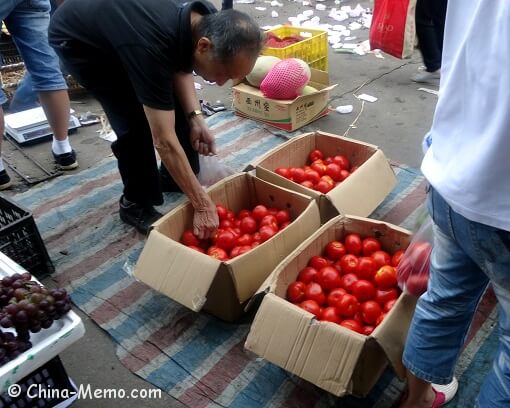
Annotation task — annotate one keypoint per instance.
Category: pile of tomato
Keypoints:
(321, 173)
(239, 233)
(353, 284)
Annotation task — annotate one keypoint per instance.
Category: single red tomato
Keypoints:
(351, 325)
(342, 161)
(307, 184)
(189, 239)
(312, 176)
(348, 305)
(323, 186)
(386, 277)
(315, 155)
(370, 311)
(283, 171)
(417, 284)
(222, 212)
(330, 314)
(347, 281)
(383, 296)
(335, 250)
(245, 239)
(257, 237)
(297, 174)
(224, 224)
(367, 330)
(328, 180)
(313, 291)
(418, 255)
(366, 268)
(230, 215)
(381, 258)
(259, 212)
(218, 253)
(363, 290)
(269, 220)
(248, 225)
(333, 171)
(334, 296)
(319, 167)
(344, 174)
(329, 278)
(318, 262)
(235, 251)
(327, 160)
(311, 306)
(226, 240)
(296, 292)
(267, 232)
(370, 245)
(308, 274)
(349, 264)
(388, 305)
(397, 256)
(282, 216)
(353, 244)
(380, 319)
(243, 213)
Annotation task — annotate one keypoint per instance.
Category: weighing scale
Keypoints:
(31, 126)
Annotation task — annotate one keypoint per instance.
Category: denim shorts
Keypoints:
(466, 257)
(27, 22)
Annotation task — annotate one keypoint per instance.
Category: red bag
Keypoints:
(393, 27)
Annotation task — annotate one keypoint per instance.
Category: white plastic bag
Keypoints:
(212, 170)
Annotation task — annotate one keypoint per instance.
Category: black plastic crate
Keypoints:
(20, 239)
(52, 376)
(9, 54)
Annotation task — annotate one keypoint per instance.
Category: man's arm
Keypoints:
(162, 124)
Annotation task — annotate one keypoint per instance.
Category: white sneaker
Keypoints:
(425, 76)
(445, 393)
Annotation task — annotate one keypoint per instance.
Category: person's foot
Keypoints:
(427, 77)
(66, 161)
(5, 180)
(140, 217)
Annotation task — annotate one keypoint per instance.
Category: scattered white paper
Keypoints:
(368, 98)
(356, 12)
(354, 26)
(274, 14)
(337, 45)
(308, 13)
(350, 38)
(431, 91)
(350, 46)
(339, 16)
(378, 53)
(198, 86)
(344, 109)
(276, 3)
(320, 7)
(345, 33)
(261, 8)
(346, 9)
(245, 1)
(315, 19)
(339, 27)
(111, 136)
(306, 3)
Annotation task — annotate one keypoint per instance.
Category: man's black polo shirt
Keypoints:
(150, 39)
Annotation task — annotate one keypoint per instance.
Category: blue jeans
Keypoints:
(27, 22)
(466, 257)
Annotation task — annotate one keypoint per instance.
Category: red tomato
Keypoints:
(196, 248)
(297, 174)
(334, 296)
(335, 250)
(236, 251)
(327, 160)
(189, 239)
(313, 291)
(308, 274)
(347, 281)
(282, 217)
(328, 180)
(226, 240)
(381, 258)
(224, 224)
(349, 264)
(318, 262)
(269, 220)
(353, 244)
(245, 239)
(259, 212)
(358, 317)
(370, 245)
(243, 213)
(330, 314)
(383, 296)
(312, 176)
(257, 237)
(230, 215)
(296, 292)
(416, 260)
(380, 319)
(370, 311)
(386, 277)
(217, 253)
(222, 212)
(366, 268)
(367, 330)
(344, 174)
(319, 167)
(315, 155)
(342, 161)
(388, 305)
(397, 256)
(363, 290)
(323, 186)
(307, 184)
(348, 305)
(311, 306)
(248, 225)
(333, 171)
(266, 232)
(329, 278)
(351, 325)
(283, 171)
(417, 284)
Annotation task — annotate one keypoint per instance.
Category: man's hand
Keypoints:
(202, 139)
(205, 221)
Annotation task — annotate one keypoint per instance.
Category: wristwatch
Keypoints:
(194, 113)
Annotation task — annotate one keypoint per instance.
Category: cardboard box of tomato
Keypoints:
(199, 281)
(329, 354)
(358, 194)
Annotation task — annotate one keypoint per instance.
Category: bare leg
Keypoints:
(56, 106)
(420, 393)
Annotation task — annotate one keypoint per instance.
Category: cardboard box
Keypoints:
(326, 354)
(284, 114)
(359, 194)
(199, 281)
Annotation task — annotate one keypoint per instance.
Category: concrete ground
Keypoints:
(396, 122)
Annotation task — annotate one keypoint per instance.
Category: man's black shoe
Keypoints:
(66, 161)
(5, 180)
(140, 217)
(168, 184)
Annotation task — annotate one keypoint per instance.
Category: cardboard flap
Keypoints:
(392, 334)
(323, 353)
(176, 270)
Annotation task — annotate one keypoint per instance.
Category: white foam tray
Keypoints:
(46, 344)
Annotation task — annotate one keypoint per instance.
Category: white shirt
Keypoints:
(469, 160)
